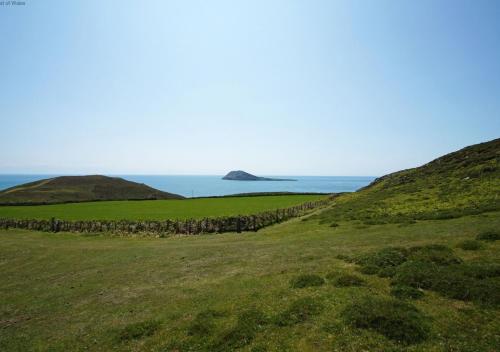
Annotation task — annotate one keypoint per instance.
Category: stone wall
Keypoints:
(161, 228)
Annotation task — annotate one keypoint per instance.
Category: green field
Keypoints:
(410, 263)
(157, 209)
(74, 292)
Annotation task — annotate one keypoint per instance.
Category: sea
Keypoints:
(213, 185)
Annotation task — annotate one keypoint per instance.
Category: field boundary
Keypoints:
(162, 228)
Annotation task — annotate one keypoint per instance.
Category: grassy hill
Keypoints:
(80, 189)
(457, 184)
(410, 263)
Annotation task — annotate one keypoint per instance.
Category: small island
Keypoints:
(240, 175)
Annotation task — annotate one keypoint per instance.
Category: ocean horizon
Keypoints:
(213, 185)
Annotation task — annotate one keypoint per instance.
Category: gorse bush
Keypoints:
(387, 272)
(369, 269)
(138, 330)
(479, 283)
(433, 253)
(249, 323)
(489, 236)
(204, 324)
(392, 318)
(345, 280)
(386, 257)
(470, 245)
(418, 274)
(306, 280)
(299, 311)
(406, 292)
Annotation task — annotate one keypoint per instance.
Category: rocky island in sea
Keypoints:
(240, 175)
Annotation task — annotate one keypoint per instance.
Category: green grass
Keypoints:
(156, 209)
(462, 183)
(227, 292)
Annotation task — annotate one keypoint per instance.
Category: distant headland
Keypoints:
(240, 175)
(69, 189)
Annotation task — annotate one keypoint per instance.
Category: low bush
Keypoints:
(488, 236)
(481, 270)
(386, 257)
(464, 282)
(346, 258)
(203, 324)
(345, 280)
(417, 274)
(396, 320)
(138, 330)
(434, 253)
(387, 272)
(299, 311)
(470, 245)
(369, 269)
(306, 280)
(406, 292)
(249, 323)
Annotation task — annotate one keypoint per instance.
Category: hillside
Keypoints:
(66, 189)
(460, 183)
(344, 279)
(240, 175)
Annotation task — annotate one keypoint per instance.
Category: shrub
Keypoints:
(343, 257)
(481, 270)
(306, 280)
(387, 272)
(249, 323)
(470, 245)
(489, 236)
(406, 292)
(434, 253)
(299, 311)
(138, 330)
(417, 274)
(369, 269)
(203, 323)
(346, 258)
(396, 320)
(464, 282)
(345, 280)
(386, 257)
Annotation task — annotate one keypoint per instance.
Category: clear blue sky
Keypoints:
(271, 87)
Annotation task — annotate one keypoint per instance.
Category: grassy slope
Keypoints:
(63, 291)
(157, 209)
(463, 182)
(81, 188)
(77, 292)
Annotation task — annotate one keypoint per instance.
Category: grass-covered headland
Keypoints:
(379, 270)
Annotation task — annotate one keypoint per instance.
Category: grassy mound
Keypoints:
(470, 245)
(490, 236)
(249, 323)
(433, 253)
(204, 324)
(306, 280)
(392, 318)
(406, 292)
(385, 261)
(299, 311)
(139, 330)
(346, 280)
(463, 282)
